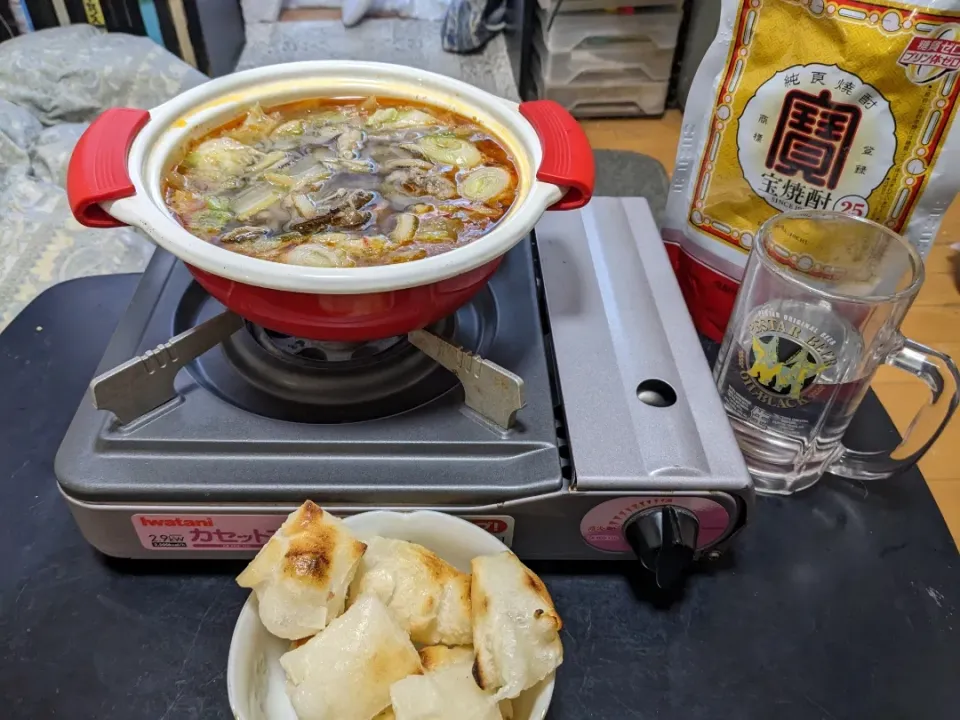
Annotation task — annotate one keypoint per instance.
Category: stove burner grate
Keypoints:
(311, 381)
(318, 352)
(327, 354)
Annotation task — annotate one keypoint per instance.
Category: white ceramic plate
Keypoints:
(256, 683)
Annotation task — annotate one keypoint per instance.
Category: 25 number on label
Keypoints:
(852, 205)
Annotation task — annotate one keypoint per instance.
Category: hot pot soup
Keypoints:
(343, 183)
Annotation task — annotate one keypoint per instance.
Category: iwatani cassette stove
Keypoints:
(568, 408)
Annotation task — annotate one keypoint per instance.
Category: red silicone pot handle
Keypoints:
(98, 166)
(567, 157)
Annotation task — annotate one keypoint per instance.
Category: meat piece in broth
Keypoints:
(414, 180)
(340, 210)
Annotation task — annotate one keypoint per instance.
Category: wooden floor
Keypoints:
(934, 319)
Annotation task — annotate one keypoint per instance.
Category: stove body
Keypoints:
(621, 416)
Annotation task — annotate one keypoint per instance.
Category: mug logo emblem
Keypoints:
(783, 366)
(782, 358)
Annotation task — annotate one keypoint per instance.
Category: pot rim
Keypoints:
(214, 102)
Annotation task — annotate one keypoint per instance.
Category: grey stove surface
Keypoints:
(216, 440)
(621, 415)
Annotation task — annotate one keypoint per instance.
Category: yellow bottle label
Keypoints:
(826, 105)
(94, 12)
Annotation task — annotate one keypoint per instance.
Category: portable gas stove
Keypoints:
(568, 408)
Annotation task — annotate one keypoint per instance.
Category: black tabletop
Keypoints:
(838, 603)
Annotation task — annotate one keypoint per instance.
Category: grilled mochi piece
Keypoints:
(516, 629)
(436, 657)
(301, 576)
(429, 597)
(446, 690)
(345, 672)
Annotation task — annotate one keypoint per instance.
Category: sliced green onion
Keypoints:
(484, 183)
(450, 150)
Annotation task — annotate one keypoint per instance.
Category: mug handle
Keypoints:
(941, 376)
(567, 156)
(98, 166)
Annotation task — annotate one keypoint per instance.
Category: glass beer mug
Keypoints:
(819, 310)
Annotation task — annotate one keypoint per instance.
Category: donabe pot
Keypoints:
(117, 168)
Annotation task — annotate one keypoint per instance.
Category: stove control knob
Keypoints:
(664, 539)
